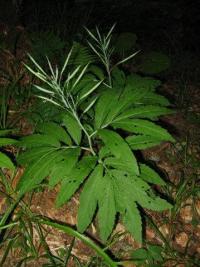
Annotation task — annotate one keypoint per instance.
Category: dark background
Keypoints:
(166, 22)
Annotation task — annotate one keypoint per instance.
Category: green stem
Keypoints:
(5, 182)
(86, 133)
(109, 75)
(162, 237)
(85, 239)
(8, 212)
(8, 225)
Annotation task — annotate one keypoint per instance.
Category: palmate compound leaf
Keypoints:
(36, 172)
(55, 163)
(46, 156)
(111, 103)
(67, 161)
(130, 100)
(71, 183)
(89, 198)
(132, 190)
(125, 202)
(120, 150)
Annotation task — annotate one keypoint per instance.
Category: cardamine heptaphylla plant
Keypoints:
(105, 116)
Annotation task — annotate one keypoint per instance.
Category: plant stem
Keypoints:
(85, 131)
(9, 212)
(83, 238)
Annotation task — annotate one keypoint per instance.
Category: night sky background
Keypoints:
(156, 22)
(171, 27)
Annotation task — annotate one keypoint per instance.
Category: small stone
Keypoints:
(198, 250)
(150, 234)
(197, 206)
(164, 229)
(182, 239)
(186, 214)
(197, 231)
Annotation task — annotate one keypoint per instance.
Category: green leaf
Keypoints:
(36, 172)
(93, 85)
(125, 42)
(74, 179)
(88, 198)
(5, 162)
(62, 168)
(148, 112)
(80, 55)
(7, 141)
(107, 209)
(156, 203)
(119, 78)
(144, 127)
(140, 254)
(154, 62)
(120, 149)
(53, 129)
(87, 105)
(33, 154)
(73, 128)
(149, 175)
(153, 98)
(5, 132)
(39, 140)
(102, 108)
(97, 71)
(131, 187)
(133, 222)
(140, 141)
(155, 252)
(142, 83)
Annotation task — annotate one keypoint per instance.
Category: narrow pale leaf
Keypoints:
(90, 90)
